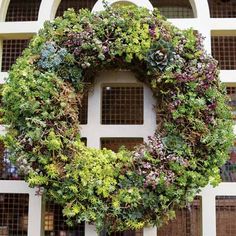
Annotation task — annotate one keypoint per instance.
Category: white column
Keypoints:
(93, 136)
(3, 9)
(48, 10)
(208, 212)
(35, 217)
(90, 230)
(150, 231)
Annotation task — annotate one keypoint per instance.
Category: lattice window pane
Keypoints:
(76, 4)
(55, 223)
(26, 10)
(84, 140)
(174, 8)
(222, 8)
(224, 50)
(83, 110)
(14, 214)
(225, 216)
(187, 222)
(116, 143)
(12, 49)
(128, 233)
(122, 105)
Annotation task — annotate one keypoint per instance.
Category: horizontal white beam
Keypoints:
(13, 186)
(116, 130)
(187, 23)
(228, 76)
(223, 25)
(223, 189)
(18, 29)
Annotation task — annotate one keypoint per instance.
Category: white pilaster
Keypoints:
(150, 231)
(90, 230)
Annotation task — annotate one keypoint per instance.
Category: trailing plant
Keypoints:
(124, 190)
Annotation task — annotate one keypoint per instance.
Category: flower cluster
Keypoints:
(160, 55)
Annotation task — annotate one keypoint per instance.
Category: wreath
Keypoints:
(127, 189)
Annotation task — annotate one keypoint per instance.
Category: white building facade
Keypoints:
(23, 211)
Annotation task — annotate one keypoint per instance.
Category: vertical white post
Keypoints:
(208, 212)
(35, 215)
(150, 231)
(90, 230)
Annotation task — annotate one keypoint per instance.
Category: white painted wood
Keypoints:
(3, 9)
(90, 230)
(48, 10)
(3, 76)
(141, 3)
(150, 231)
(208, 213)
(18, 30)
(35, 216)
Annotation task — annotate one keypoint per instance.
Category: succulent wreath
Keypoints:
(123, 190)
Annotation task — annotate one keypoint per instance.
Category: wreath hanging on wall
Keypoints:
(124, 190)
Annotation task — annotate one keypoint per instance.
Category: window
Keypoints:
(55, 223)
(223, 49)
(26, 10)
(174, 8)
(222, 8)
(116, 143)
(76, 4)
(187, 222)
(225, 216)
(14, 214)
(12, 49)
(83, 110)
(122, 104)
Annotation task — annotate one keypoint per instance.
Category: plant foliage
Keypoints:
(124, 190)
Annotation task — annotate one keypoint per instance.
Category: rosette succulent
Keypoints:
(160, 55)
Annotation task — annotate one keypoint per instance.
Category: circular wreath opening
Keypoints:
(124, 190)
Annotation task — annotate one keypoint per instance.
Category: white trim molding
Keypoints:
(140, 3)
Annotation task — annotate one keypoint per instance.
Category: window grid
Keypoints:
(26, 10)
(224, 50)
(55, 223)
(222, 8)
(84, 140)
(116, 143)
(83, 110)
(14, 214)
(128, 233)
(174, 8)
(187, 222)
(225, 215)
(12, 49)
(76, 4)
(122, 105)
